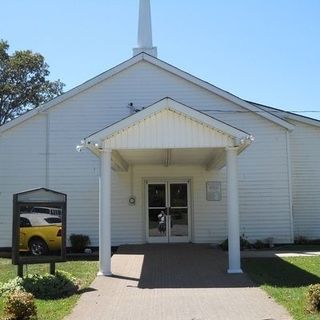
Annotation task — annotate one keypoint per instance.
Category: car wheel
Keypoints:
(38, 247)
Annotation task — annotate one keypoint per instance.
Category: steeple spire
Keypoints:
(145, 30)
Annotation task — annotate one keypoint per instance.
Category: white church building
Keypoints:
(160, 162)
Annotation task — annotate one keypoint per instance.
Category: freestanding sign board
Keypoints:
(39, 227)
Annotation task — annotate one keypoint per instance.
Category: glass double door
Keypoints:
(168, 213)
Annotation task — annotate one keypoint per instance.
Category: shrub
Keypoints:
(270, 242)
(259, 244)
(224, 245)
(301, 240)
(313, 298)
(20, 305)
(48, 286)
(244, 244)
(15, 284)
(79, 242)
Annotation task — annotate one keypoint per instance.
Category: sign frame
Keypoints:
(17, 258)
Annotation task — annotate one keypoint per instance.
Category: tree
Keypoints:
(23, 82)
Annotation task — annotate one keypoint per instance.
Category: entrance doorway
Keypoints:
(168, 211)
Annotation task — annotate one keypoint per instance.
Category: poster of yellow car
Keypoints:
(40, 234)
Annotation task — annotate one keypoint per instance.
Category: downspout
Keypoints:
(46, 148)
(290, 184)
(131, 180)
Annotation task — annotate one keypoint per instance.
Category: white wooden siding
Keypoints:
(129, 222)
(22, 167)
(209, 219)
(305, 153)
(263, 178)
(264, 201)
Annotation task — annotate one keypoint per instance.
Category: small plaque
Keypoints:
(213, 190)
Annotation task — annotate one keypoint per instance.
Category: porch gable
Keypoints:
(168, 124)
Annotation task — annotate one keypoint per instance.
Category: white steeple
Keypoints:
(145, 30)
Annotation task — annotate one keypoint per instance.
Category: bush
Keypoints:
(313, 298)
(224, 245)
(270, 242)
(79, 242)
(48, 286)
(15, 284)
(244, 244)
(259, 245)
(301, 240)
(20, 305)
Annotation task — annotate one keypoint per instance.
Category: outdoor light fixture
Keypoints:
(132, 200)
(79, 148)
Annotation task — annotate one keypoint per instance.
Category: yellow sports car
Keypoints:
(39, 233)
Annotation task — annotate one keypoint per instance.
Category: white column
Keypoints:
(233, 211)
(105, 214)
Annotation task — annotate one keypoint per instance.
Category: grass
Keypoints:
(85, 271)
(286, 280)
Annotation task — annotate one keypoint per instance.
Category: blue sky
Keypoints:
(265, 51)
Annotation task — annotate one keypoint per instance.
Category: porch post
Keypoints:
(233, 211)
(105, 214)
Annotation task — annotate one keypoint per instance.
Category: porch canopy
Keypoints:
(167, 133)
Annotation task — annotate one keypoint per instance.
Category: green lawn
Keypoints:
(85, 271)
(286, 280)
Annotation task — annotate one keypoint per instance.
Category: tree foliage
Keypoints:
(23, 82)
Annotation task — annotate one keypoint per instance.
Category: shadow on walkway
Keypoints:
(184, 266)
(277, 272)
(189, 281)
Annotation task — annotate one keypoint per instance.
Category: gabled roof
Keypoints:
(161, 64)
(288, 115)
(232, 135)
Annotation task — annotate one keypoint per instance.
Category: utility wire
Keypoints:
(262, 111)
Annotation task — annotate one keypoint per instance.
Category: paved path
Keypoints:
(174, 282)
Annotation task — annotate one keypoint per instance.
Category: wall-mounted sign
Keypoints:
(213, 190)
(39, 227)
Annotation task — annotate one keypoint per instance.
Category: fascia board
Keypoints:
(299, 118)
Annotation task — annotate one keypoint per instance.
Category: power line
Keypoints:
(257, 111)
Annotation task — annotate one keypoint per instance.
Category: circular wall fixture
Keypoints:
(132, 200)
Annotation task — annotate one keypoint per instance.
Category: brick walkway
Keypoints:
(174, 282)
